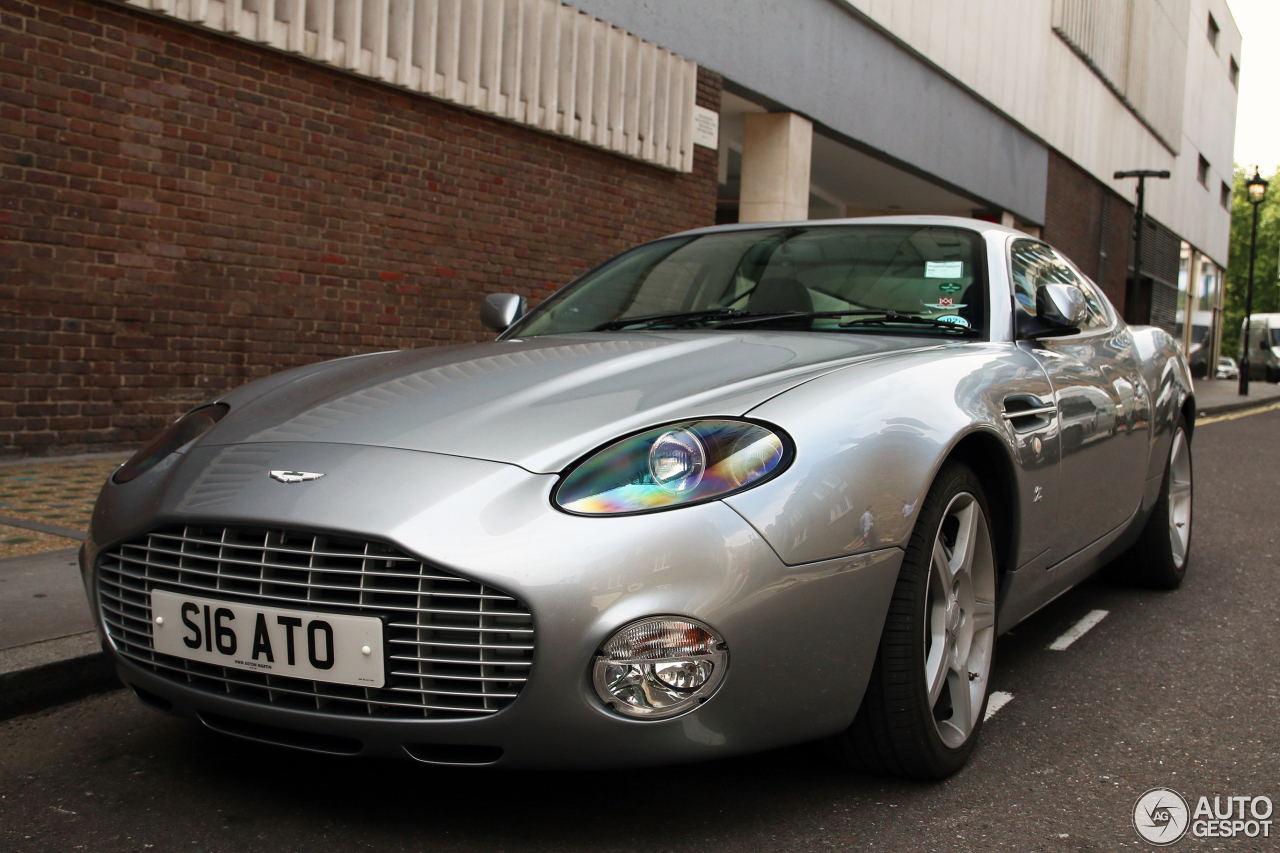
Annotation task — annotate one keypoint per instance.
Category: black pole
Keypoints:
(1140, 216)
(1134, 286)
(1248, 309)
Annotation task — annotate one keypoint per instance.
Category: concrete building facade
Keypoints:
(199, 192)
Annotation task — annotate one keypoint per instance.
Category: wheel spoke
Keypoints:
(966, 538)
(938, 673)
(983, 616)
(962, 711)
(942, 568)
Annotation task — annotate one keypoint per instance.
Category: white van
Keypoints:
(1264, 347)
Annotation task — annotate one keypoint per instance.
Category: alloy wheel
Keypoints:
(961, 616)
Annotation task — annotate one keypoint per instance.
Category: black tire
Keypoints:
(894, 732)
(1152, 562)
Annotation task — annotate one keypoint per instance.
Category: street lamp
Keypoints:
(1257, 188)
(1139, 215)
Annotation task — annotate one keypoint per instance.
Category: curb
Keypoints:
(1225, 408)
(53, 672)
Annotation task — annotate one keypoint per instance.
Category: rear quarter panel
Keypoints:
(1168, 381)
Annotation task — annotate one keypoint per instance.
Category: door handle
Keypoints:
(1042, 411)
(1025, 412)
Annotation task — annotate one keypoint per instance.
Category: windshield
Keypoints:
(855, 278)
(1275, 337)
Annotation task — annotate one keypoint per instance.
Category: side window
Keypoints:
(1034, 265)
(1099, 316)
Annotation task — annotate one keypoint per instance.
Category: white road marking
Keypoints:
(1078, 630)
(995, 702)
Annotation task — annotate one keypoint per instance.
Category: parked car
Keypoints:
(739, 487)
(1264, 346)
(1227, 368)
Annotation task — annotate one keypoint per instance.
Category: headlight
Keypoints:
(181, 432)
(659, 667)
(673, 466)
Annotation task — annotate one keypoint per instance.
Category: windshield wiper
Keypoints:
(887, 317)
(761, 316)
(671, 317)
(720, 317)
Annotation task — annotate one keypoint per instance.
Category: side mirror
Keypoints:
(1263, 344)
(1061, 306)
(500, 310)
(1060, 310)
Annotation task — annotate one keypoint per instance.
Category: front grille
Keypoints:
(457, 648)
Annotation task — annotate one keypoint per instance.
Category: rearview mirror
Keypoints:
(1060, 310)
(500, 310)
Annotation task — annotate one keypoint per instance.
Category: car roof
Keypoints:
(980, 225)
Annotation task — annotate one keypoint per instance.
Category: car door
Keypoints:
(1103, 406)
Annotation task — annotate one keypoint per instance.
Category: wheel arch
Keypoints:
(988, 457)
(1189, 414)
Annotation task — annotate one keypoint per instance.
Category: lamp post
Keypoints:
(1257, 187)
(1139, 215)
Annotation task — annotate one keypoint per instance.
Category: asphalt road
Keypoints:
(1170, 689)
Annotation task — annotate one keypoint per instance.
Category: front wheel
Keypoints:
(923, 708)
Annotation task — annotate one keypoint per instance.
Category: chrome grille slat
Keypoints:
(471, 676)
(479, 630)
(187, 570)
(461, 645)
(450, 660)
(363, 573)
(216, 543)
(276, 689)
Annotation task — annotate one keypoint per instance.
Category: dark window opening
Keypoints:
(1213, 32)
(1202, 172)
(1234, 73)
(1226, 195)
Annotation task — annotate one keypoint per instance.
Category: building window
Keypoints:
(1234, 73)
(1226, 195)
(1213, 32)
(1202, 172)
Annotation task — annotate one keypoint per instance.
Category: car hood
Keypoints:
(538, 403)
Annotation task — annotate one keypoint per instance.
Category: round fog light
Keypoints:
(659, 667)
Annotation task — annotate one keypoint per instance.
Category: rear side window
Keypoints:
(1035, 264)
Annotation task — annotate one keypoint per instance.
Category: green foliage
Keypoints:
(1266, 286)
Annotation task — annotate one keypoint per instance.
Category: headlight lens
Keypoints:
(660, 667)
(181, 432)
(672, 466)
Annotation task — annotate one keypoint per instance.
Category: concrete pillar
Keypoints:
(776, 152)
(1190, 301)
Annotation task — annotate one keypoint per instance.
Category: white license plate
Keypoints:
(331, 647)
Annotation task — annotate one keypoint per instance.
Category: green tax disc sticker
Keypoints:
(950, 287)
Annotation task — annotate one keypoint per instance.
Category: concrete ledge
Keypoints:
(1225, 408)
(52, 672)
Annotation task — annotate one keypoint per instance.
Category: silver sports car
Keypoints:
(736, 488)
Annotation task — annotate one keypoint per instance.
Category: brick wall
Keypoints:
(1077, 208)
(181, 212)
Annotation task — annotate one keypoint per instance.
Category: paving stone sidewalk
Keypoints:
(55, 493)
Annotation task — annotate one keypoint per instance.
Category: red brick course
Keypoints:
(1073, 223)
(181, 212)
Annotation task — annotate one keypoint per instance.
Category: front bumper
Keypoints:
(801, 639)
